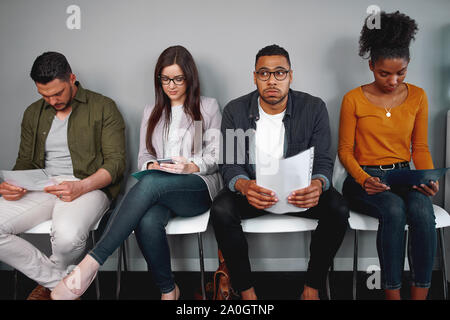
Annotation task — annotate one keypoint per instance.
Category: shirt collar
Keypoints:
(254, 111)
(80, 96)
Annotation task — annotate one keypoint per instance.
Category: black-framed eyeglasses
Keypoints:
(178, 80)
(279, 74)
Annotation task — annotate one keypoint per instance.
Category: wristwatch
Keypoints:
(322, 181)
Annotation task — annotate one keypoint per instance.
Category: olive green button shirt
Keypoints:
(95, 135)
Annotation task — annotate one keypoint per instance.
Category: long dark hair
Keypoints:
(180, 56)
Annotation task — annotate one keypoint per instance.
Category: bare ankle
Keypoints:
(172, 295)
(392, 294)
(419, 293)
(249, 294)
(310, 293)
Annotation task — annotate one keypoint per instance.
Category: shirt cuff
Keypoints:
(326, 186)
(144, 166)
(200, 164)
(233, 182)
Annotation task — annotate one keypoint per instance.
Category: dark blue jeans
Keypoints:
(228, 210)
(146, 209)
(394, 209)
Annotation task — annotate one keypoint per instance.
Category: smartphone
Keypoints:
(165, 160)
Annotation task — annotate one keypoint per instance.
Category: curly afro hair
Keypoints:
(392, 40)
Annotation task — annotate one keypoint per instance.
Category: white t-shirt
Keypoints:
(269, 136)
(173, 139)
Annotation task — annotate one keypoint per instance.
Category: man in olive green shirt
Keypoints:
(77, 136)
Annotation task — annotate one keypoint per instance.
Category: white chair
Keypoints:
(176, 226)
(279, 223)
(45, 228)
(360, 222)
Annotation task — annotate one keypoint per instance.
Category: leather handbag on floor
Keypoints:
(220, 288)
(222, 282)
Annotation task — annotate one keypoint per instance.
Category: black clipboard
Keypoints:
(412, 177)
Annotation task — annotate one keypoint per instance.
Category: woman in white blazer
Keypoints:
(179, 146)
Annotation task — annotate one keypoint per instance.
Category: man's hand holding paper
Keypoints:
(259, 197)
(67, 190)
(307, 197)
(10, 192)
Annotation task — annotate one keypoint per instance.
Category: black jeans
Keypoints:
(229, 208)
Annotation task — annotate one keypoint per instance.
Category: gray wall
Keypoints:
(115, 51)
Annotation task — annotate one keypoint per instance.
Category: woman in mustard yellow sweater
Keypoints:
(382, 126)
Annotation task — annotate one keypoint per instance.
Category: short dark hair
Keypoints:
(273, 50)
(50, 66)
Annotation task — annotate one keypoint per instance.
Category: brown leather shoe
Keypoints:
(40, 293)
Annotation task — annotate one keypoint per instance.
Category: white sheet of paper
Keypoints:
(32, 180)
(283, 176)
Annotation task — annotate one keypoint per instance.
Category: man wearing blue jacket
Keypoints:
(280, 122)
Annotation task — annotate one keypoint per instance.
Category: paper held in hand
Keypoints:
(283, 176)
(32, 180)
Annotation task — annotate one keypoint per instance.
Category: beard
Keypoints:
(273, 102)
(69, 102)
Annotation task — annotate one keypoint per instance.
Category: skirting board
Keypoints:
(285, 265)
(261, 264)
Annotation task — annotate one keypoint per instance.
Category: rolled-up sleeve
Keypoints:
(24, 159)
(113, 142)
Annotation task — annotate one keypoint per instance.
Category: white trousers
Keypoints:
(71, 224)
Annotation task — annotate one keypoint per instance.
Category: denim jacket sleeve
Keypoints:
(231, 168)
(321, 140)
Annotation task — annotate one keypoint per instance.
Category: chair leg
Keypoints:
(125, 255)
(15, 276)
(119, 271)
(355, 263)
(202, 264)
(16, 279)
(443, 262)
(407, 251)
(97, 281)
(328, 280)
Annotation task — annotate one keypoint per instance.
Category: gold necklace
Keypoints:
(388, 111)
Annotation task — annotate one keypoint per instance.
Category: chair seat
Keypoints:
(182, 225)
(360, 221)
(442, 217)
(41, 228)
(46, 226)
(278, 223)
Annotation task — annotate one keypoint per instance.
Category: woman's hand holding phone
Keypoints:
(180, 165)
